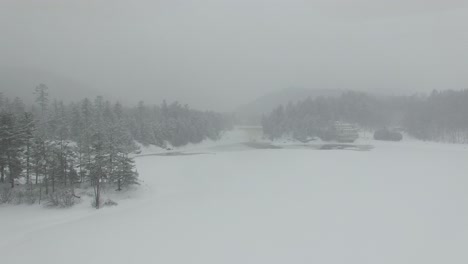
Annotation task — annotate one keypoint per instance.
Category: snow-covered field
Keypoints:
(399, 203)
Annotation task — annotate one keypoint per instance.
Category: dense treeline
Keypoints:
(174, 124)
(441, 116)
(49, 149)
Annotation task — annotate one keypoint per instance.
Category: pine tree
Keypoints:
(85, 142)
(120, 145)
(97, 167)
(37, 157)
(28, 130)
(42, 98)
(126, 174)
(2, 102)
(11, 145)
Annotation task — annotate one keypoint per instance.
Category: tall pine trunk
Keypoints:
(98, 193)
(53, 180)
(46, 180)
(63, 170)
(12, 179)
(27, 165)
(36, 171)
(80, 162)
(2, 172)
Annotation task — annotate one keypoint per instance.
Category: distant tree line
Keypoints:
(441, 116)
(49, 149)
(175, 124)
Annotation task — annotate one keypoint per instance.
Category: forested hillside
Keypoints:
(50, 148)
(441, 116)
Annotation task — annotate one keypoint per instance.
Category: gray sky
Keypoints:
(217, 54)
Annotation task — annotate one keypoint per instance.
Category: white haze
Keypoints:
(220, 54)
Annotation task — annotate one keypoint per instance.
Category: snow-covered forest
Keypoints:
(441, 116)
(233, 132)
(49, 149)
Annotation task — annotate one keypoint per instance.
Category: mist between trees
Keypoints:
(441, 116)
(49, 150)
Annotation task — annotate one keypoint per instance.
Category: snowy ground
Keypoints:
(399, 203)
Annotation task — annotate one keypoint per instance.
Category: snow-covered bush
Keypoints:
(6, 194)
(110, 202)
(31, 196)
(61, 198)
(18, 195)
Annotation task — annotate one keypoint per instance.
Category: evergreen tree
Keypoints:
(97, 167)
(42, 98)
(28, 130)
(125, 172)
(11, 146)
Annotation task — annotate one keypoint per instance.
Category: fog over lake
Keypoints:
(230, 51)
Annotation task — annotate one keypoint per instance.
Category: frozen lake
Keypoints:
(397, 203)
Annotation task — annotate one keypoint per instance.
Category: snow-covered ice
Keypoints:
(403, 202)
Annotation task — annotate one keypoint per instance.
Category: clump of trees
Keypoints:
(175, 124)
(49, 149)
(441, 116)
(386, 134)
(314, 117)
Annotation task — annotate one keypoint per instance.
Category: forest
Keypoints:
(49, 149)
(440, 116)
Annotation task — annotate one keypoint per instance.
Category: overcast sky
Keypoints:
(217, 54)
